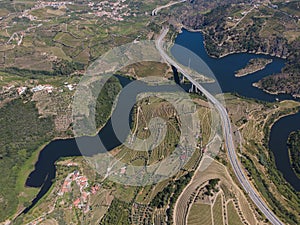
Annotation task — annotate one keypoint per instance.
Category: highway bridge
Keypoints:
(227, 130)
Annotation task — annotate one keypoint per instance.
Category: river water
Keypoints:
(223, 69)
(45, 170)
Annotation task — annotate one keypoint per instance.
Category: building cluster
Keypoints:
(41, 5)
(71, 87)
(21, 90)
(27, 15)
(113, 10)
(82, 182)
(45, 87)
(54, 4)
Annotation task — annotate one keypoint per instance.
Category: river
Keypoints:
(44, 173)
(278, 144)
(223, 69)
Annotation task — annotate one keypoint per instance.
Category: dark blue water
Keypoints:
(224, 70)
(278, 144)
(44, 172)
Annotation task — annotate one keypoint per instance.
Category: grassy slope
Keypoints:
(22, 132)
(21, 136)
(255, 120)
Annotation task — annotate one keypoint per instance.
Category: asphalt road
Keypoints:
(227, 130)
(155, 11)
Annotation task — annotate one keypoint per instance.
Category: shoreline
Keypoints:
(228, 53)
(33, 160)
(291, 160)
(29, 164)
(295, 96)
(180, 30)
(254, 70)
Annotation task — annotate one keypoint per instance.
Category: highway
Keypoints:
(155, 11)
(227, 130)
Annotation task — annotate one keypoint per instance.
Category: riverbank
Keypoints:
(254, 120)
(39, 183)
(257, 85)
(222, 55)
(273, 187)
(281, 131)
(294, 151)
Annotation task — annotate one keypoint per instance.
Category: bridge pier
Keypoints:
(182, 79)
(194, 89)
(191, 90)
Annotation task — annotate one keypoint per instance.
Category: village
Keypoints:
(113, 10)
(82, 182)
(22, 90)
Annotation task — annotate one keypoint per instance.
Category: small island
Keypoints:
(253, 66)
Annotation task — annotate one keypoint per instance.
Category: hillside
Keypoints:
(250, 26)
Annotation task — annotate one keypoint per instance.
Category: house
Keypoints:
(76, 202)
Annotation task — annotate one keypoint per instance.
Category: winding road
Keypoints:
(227, 130)
(155, 11)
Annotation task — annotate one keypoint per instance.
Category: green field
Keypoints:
(118, 214)
(217, 211)
(233, 217)
(200, 214)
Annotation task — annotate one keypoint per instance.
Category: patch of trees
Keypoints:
(211, 186)
(264, 188)
(172, 191)
(22, 133)
(26, 72)
(118, 213)
(169, 195)
(105, 100)
(103, 108)
(64, 67)
(294, 150)
(288, 80)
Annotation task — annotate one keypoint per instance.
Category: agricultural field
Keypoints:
(207, 196)
(207, 187)
(218, 211)
(256, 158)
(147, 69)
(145, 110)
(139, 204)
(53, 39)
(233, 217)
(45, 49)
(200, 214)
